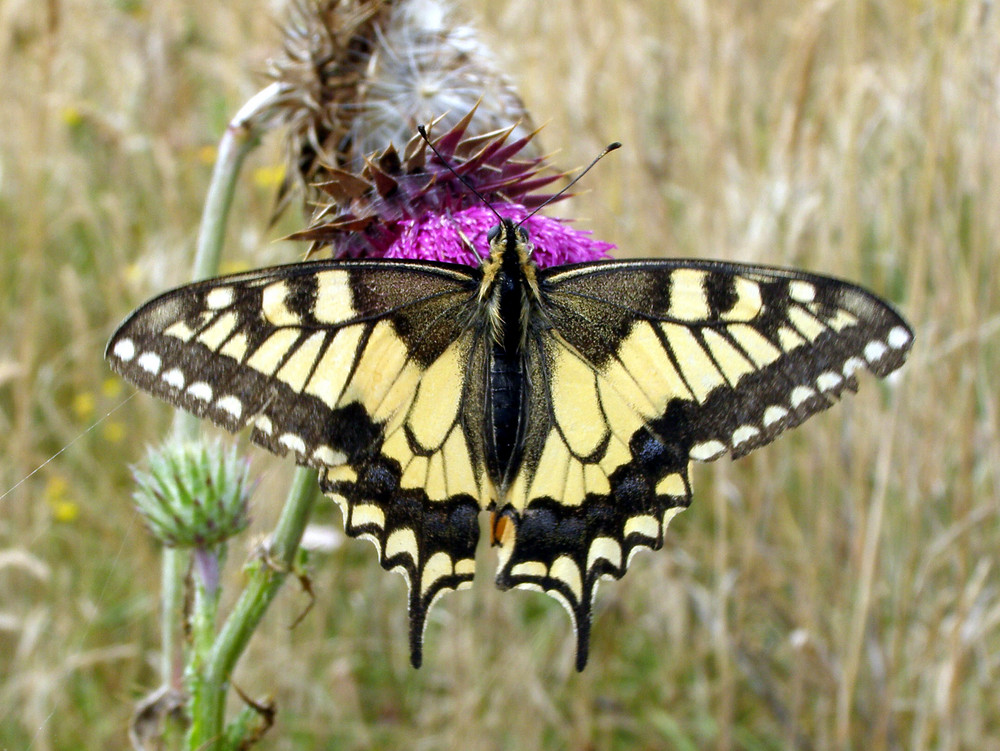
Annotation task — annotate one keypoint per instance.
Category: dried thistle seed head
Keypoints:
(427, 66)
(360, 75)
(193, 494)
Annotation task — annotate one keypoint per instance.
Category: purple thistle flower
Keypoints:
(413, 205)
(372, 200)
(439, 237)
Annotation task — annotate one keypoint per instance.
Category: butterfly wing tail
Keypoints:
(556, 549)
(432, 544)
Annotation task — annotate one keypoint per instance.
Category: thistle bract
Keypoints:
(415, 205)
(193, 494)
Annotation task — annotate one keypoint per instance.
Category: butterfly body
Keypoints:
(568, 401)
(509, 284)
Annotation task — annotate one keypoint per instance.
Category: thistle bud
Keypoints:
(193, 494)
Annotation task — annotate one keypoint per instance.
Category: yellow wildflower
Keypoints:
(113, 431)
(71, 116)
(269, 177)
(65, 511)
(83, 405)
(111, 388)
(207, 154)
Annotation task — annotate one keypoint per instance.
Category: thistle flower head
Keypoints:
(357, 78)
(420, 205)
(193, 494)
(440, 237)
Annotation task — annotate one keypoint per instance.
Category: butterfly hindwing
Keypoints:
(649, 365)
(356, 368)
(419, 494)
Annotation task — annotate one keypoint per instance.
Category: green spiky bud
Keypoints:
(193, 494)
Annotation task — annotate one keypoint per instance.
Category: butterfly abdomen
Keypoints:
(506, 390)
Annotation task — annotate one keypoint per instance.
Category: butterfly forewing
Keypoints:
(751, 350)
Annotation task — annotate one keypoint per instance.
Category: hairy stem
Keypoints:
(266, 576)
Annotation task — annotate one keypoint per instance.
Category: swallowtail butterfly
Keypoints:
(567, 401)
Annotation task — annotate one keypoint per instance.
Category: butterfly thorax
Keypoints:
(509, 289)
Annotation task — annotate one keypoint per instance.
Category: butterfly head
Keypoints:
(509, 245)
(509, 285)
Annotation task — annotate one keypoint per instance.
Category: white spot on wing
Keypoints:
(801, 394)
(531, 587)
(150, 362)
(774, 414)
(899, 338)
(200, 390)
(829, 380)
(707, 450)
(293, 442)
(263, 424)
(744, 433)
(220, 297)
(535, 569)
(232, 405)
(874, 350)
(124, 349)
(801, 291)
(644, 524)
(852, 365)
(174, 377)
(328, 456)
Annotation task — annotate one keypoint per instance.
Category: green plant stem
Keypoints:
(238, 140)
(265, 579)
(172, 571)
(213, 659)
(202, 634)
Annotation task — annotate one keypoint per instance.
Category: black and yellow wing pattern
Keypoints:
(568, 401)
(649, 365)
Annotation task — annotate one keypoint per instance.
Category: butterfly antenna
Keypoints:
(607, 150)
(423, 134)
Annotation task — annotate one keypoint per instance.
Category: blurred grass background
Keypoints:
(836, 590)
